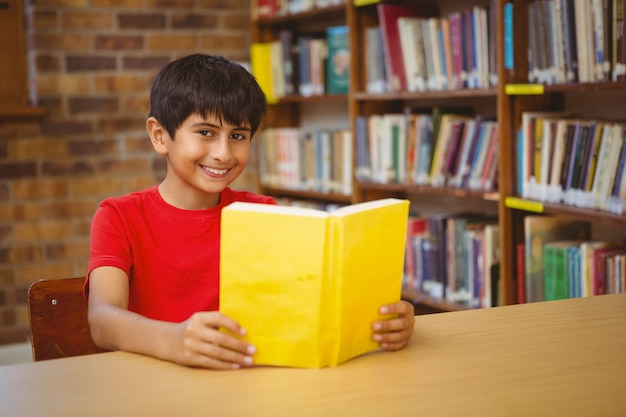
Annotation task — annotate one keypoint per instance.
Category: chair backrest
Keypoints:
(58, 319)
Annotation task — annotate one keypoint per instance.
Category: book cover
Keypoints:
(388, 15)
(261, 64)
(290, 60)
(619, 41)
(375, 76)
(557, 269)
(539, 230)
(307, 284)
(520, 269)
(338, 62)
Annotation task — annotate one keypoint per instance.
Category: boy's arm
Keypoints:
(194, 342)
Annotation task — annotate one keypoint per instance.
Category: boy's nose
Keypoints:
(220, 149)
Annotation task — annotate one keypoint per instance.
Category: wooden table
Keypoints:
(558, 358)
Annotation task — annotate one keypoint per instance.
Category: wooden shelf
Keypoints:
(309, 195)
(314, 98)
(608, 86)
(335, 11)
(19, 113)
(417, 189)
(427, 95)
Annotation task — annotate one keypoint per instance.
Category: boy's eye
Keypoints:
(238, 136)
(206, 133)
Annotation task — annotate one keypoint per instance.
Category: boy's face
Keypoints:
(205, 157)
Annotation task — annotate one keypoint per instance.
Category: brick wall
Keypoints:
(92, 63)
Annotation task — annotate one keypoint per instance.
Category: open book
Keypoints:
(307, 284)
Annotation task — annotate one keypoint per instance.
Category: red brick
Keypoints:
(122, 83)
(80, 105)
(90, 63)
(138, 144)
(105, 125)
(86, 20)
(67, 167)
(24, 254)
(18, 170)
(194, 21)
(6, 232)
(141, 21)
(68, 210)
(40, 189)
(47, 63)
(235, 21)
(129, 4)
(170, 4)
(45, 20)
(171, 42)
(144, 62)
(4, 192)
(66, 127)
(125, 166)
(135, 104)
(118, 42)
(224, 4)
(67, 250)
(224, 42)
(61, 42)
(93, 147)
(16, 212)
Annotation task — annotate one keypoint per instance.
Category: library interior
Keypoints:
(501, 122)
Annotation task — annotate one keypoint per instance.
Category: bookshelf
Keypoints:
(596, 100)
(507, 99)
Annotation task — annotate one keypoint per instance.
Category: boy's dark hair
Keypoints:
(206, 84)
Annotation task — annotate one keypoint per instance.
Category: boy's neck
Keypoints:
(190, 200)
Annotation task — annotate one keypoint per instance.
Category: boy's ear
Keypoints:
(158, 135)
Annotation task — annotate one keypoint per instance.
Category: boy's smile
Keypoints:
(204, 157)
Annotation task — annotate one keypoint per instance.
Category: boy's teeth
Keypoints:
(216, 171)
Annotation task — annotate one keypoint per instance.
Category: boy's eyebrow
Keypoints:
(200, 124)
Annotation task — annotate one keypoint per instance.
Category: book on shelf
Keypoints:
(307, 284)
(319, 160)
(290, 68)
(388, 14)
(538, 231)
(338, 61)
(619, 41)
(261, 64)
(417, 227)
(375, 72)
(575, 41)
(558, 264)
(413, 55)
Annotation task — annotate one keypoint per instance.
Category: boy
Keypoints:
(153, 274)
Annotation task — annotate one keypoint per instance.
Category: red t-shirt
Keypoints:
(170, 255)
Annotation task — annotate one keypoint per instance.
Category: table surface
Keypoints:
(560, 358)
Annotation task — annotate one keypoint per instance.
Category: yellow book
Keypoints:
(261, 63)
(306, 284)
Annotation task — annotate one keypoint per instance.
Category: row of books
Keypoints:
(580, 162)
(454, 258)
(320, 160)
(445, 148)
(413, 49)
(306, 64)
(559, 259)
(576, 41)
(267, 9)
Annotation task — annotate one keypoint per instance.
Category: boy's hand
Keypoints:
(395, 333)
(200, 342)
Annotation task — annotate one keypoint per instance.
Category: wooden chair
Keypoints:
(58, 319)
